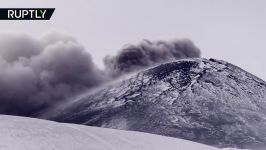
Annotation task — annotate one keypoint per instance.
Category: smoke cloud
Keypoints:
(39, 73)
(147, 53)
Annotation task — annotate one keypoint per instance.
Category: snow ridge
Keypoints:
(19, 133)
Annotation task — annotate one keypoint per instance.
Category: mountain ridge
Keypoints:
(207, 101)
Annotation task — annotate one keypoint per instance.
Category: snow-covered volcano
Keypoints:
(207, 101)
(18, 133)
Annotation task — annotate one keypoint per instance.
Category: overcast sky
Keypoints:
(232, 30)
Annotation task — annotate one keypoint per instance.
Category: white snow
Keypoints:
(234, 149)
(20, 133)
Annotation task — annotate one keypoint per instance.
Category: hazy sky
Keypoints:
(232, 30)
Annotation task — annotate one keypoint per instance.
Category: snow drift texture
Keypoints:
(37, 73)
(18, 133)
(207, 101)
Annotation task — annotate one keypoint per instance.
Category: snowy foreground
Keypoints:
(19, 133)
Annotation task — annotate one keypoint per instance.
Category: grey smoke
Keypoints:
(147, 53)
(38, 73)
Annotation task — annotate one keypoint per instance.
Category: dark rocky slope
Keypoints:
(207, 101)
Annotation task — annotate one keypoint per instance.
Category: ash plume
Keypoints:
(39, 73)
(147, 53)
(36, 73)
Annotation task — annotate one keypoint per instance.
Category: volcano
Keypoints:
(203, 100)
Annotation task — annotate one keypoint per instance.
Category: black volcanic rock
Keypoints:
(207, 101)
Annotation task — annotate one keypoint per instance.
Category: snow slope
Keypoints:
(202, 100)
(19, 133)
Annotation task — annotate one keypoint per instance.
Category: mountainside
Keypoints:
(18, 133)
(207, 101)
